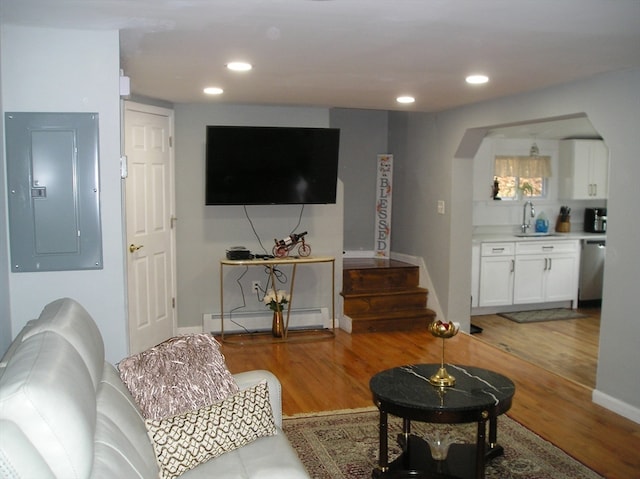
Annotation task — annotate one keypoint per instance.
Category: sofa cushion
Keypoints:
(47, 393)
(122, 446)
(269, 457)
(181, 374)
(184, 441)
(68, 318)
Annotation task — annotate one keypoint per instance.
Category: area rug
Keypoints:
(344, 445)
(543, 315)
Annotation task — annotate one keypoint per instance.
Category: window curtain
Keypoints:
(523, 166)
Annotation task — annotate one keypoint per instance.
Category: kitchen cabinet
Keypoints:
(583, 170)
(475, 275)
(497, 264)
(546, 271)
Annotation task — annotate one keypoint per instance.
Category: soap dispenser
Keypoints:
(542, 223)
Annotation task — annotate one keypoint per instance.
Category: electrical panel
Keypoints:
(54, 191)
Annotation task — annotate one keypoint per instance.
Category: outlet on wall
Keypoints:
(256, 286)
(440, 207)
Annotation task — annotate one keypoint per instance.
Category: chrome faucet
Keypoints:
(526, 224)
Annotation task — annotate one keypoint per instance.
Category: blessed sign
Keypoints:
(383, 206)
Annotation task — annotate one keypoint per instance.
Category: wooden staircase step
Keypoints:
(374, 279)
(411, 320)
(384, 295)
(357, 303)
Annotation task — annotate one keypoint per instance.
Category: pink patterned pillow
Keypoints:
(181, 374)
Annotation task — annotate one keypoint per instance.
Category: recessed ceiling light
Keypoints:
(213, 90)
(405, 99)
(239, 66)
(477, 79)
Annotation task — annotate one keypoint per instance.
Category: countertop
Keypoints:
(500, 237)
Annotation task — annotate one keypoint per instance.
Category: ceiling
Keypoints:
(352, 53)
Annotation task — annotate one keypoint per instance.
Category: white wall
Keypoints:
(612, 103)
(363, 136)
(48, 70)
(5, 299)
(205, 232)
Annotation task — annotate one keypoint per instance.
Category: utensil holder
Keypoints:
(563, 225)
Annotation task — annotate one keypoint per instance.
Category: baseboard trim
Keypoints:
(189, 330)
(619, 407)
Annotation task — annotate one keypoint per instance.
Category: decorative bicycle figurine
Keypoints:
(284, 246)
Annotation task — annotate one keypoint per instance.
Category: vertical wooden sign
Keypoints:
(383, 206)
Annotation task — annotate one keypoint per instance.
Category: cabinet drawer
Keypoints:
(497, 249)
(547, 247)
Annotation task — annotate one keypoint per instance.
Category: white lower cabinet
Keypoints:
(475, 275)
(546, 271)
(528, 272)
(497, 263)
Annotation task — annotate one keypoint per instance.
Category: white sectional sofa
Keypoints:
(65, 413)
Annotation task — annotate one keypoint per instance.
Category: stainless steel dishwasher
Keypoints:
(591, 270)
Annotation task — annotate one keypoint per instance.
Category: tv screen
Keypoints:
(249, 165)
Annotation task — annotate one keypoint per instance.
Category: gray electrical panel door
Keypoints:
(54, 191)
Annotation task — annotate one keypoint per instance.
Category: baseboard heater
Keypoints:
(252, 321)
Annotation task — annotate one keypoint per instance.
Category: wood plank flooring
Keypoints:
(568, 347)
(334, 374)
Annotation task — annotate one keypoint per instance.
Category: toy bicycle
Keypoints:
(284, 246)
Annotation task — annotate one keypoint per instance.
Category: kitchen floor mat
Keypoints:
(539, 315)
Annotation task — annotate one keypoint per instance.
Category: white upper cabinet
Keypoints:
(583, 170)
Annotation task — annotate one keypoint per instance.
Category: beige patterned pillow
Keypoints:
(182, 442)
(181, 374)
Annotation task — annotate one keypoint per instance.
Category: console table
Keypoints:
(271, 263)
(479, 395)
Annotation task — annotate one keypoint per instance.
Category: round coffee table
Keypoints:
(479, 395)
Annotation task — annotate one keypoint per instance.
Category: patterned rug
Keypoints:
(344, 445)
(543, 315)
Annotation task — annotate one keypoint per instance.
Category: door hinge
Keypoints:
(173, 303)
(124, 167)
(170, 142)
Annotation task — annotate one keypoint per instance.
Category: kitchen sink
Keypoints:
(535, 235)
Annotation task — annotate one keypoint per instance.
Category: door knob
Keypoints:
(133, 248)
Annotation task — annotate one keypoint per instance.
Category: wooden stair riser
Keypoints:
(385, 302)
(364, 280)
(390, 324)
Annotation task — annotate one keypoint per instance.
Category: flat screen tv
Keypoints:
(251, 165)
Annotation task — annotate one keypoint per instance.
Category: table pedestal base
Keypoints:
(416, 461)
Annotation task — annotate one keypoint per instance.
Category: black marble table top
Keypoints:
(406, 391)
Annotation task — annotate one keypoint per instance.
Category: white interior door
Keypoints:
(150, 206)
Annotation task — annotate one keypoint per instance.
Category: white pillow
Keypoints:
(182, 442)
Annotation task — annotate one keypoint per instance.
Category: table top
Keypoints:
(283, 260)
(406, 392)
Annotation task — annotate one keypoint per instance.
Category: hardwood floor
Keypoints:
(568, 347)
(334, 374)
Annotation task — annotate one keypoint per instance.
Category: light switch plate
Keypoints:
(440, 207)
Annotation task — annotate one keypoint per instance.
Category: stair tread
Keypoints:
(349, 264)
(386, 292)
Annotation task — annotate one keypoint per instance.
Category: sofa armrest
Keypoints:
(251, 378)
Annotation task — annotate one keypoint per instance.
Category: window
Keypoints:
(514, 187)
(522, 176)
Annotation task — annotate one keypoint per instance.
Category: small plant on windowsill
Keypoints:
(526, 189)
